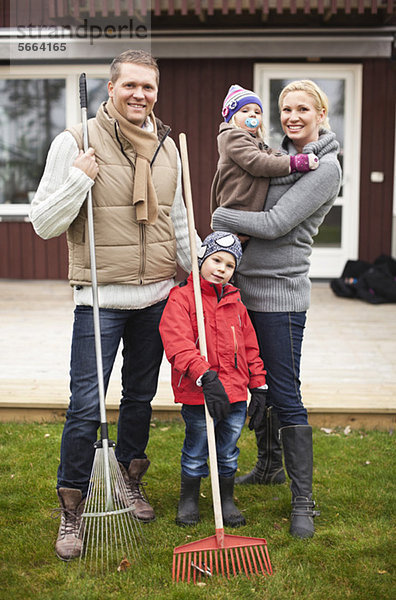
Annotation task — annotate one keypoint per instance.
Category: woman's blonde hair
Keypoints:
(320, 100)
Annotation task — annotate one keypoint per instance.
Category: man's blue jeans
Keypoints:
(195, 448)
(280, 336)
(142, 356)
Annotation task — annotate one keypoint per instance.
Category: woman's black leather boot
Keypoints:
(298, 453)
(269, 467)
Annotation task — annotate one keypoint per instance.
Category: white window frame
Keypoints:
(329, 262)
(70, 73)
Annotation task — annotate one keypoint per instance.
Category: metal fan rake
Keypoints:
(110, 533)
(112, 537)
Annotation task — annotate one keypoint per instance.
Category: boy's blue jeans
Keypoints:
(142, 356)
(195, 448)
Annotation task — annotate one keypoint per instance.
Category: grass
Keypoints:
(350, 557)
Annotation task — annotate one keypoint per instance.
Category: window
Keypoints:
(97, 93)
(35, 106)
(32, 112)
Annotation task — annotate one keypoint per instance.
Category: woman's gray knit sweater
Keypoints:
(273, 274)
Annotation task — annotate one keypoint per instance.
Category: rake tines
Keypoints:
(111, 535)
(231, 556)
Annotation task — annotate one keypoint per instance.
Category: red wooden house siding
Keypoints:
(23, 255)
(191, 94)
(377, 154)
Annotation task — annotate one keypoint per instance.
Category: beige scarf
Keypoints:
(145, 144)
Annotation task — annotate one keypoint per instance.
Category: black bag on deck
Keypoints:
(374, 283)
(345, 286)
(378, 284)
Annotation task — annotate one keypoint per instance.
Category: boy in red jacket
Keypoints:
(233, 365)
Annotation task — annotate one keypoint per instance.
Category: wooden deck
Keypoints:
(348, 368)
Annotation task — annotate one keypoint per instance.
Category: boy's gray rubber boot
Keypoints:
(231, 515)
(188, 509)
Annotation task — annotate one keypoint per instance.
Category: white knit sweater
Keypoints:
(59, 197)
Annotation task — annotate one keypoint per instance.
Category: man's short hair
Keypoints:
(139, 57)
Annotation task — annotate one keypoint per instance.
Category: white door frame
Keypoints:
(329, 262)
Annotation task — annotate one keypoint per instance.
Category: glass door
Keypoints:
(337, 240)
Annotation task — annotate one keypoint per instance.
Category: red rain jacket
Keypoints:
(231, 341)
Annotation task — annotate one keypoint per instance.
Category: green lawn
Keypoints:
(350, 557)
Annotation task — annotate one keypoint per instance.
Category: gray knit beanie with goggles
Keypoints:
(220, 241)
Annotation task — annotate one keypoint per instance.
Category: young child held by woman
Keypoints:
(221, 380)
(245, 162)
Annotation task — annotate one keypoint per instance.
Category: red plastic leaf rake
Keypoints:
(220, 554)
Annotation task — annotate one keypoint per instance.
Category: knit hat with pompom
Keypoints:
(237, 97)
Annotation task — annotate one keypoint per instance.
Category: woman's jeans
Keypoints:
(280, 336)
(142, 356)
(195, 448)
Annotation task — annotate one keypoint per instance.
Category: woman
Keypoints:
(274, 283)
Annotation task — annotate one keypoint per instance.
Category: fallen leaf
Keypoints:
(347, 430)
(381, 572)
(277, 526)
(124, 565)
(201, 584)
(47, 435)
(202, 495)
(368, 462)
(12, 476)
(153, 425)
(326, 430)
(164, 428)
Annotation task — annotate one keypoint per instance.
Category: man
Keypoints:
(140, 234)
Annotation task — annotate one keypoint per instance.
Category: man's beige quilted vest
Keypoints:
(127, 252)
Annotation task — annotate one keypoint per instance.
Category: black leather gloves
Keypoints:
(215, 396)
(257, 407)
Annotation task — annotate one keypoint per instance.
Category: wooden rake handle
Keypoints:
(214, 475)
